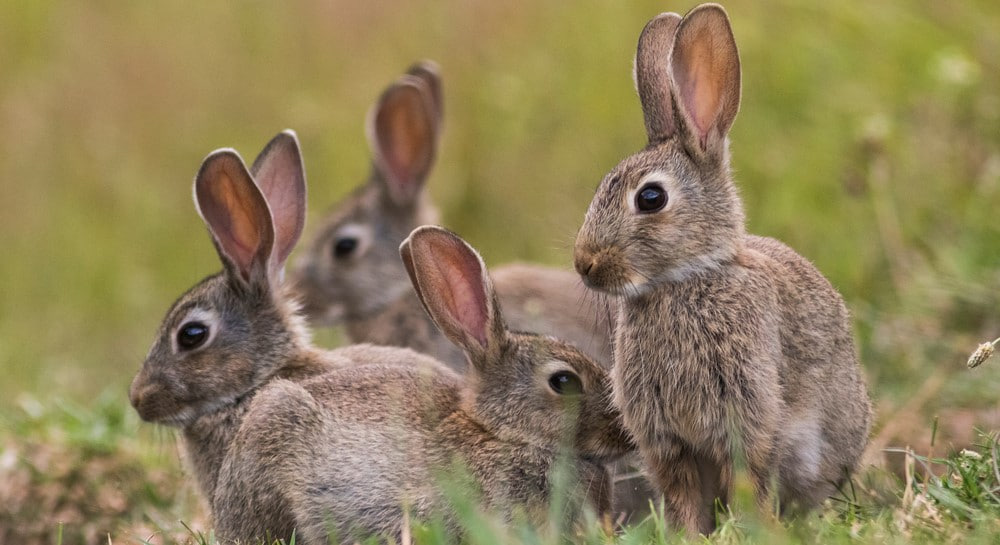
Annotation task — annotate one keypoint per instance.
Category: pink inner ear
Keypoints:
(405, 138)
(467, 300)
(706, 95)
(699, 81)
(452, 285)
(233, 220)
(705, 67)
(281, 178)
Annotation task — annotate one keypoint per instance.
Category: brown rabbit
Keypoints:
(523, 397)
(351, 273)
(727, 346)
(264, 414)
(236, 333)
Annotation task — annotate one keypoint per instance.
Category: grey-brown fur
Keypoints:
(367, 290)
(284, 437)
(727, 345)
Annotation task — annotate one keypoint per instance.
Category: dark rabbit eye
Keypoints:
(192, 335)
(343, 247)
(565, 383)
(651, 198)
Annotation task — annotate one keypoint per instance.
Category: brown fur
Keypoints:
(367, 290)
(284, 437)
(729, 347)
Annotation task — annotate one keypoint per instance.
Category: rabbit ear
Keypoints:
(452, 283)
(705, 69)
(236, 214)
(652, 76)
(430, 73)
(402, 132)
(281, 176)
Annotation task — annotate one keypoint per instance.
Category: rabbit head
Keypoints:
(671, 210)
(351, 268)
(232, 331)
(522, 387)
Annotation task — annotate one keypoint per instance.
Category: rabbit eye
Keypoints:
(344, 246)
(565, 383)
(192, 335)
(651, 198)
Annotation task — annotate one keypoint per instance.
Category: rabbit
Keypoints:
(262, 411)
(728, 347)
(351, 274)
(236, 332)
(505, 422)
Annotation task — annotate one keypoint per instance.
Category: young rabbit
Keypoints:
(351, 273)
(727, 346)
(236, 333)
(381, 439)
(283, 436)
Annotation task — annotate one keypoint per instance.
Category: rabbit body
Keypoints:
(754, 350)
(354, 472)
(728, 346)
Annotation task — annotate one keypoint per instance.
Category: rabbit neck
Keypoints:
(711, 263)
(513, 475)
(207, 440)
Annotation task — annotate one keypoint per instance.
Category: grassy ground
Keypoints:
(869, 140)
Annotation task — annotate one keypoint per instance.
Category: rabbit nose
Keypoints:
(584, 264)
(135, 396)
(138, 394)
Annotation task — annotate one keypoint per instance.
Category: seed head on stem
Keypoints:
(982, 353)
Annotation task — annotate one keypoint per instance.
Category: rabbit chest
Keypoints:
(693, 358)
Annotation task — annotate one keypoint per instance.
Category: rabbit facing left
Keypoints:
(286, 438)
(236, 332)
(728, 346)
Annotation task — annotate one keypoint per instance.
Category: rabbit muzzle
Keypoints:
(601, 269)
(151, 400)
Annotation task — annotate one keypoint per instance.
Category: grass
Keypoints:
(75, 475)
(867, 139)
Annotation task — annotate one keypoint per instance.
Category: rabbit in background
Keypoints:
(284, 437)
(351, 274)
(726, 344)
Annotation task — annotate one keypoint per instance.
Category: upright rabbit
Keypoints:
(726, 345)
(284, 436)
(351, 272)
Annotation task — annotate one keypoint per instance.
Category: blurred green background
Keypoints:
(868, 139)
